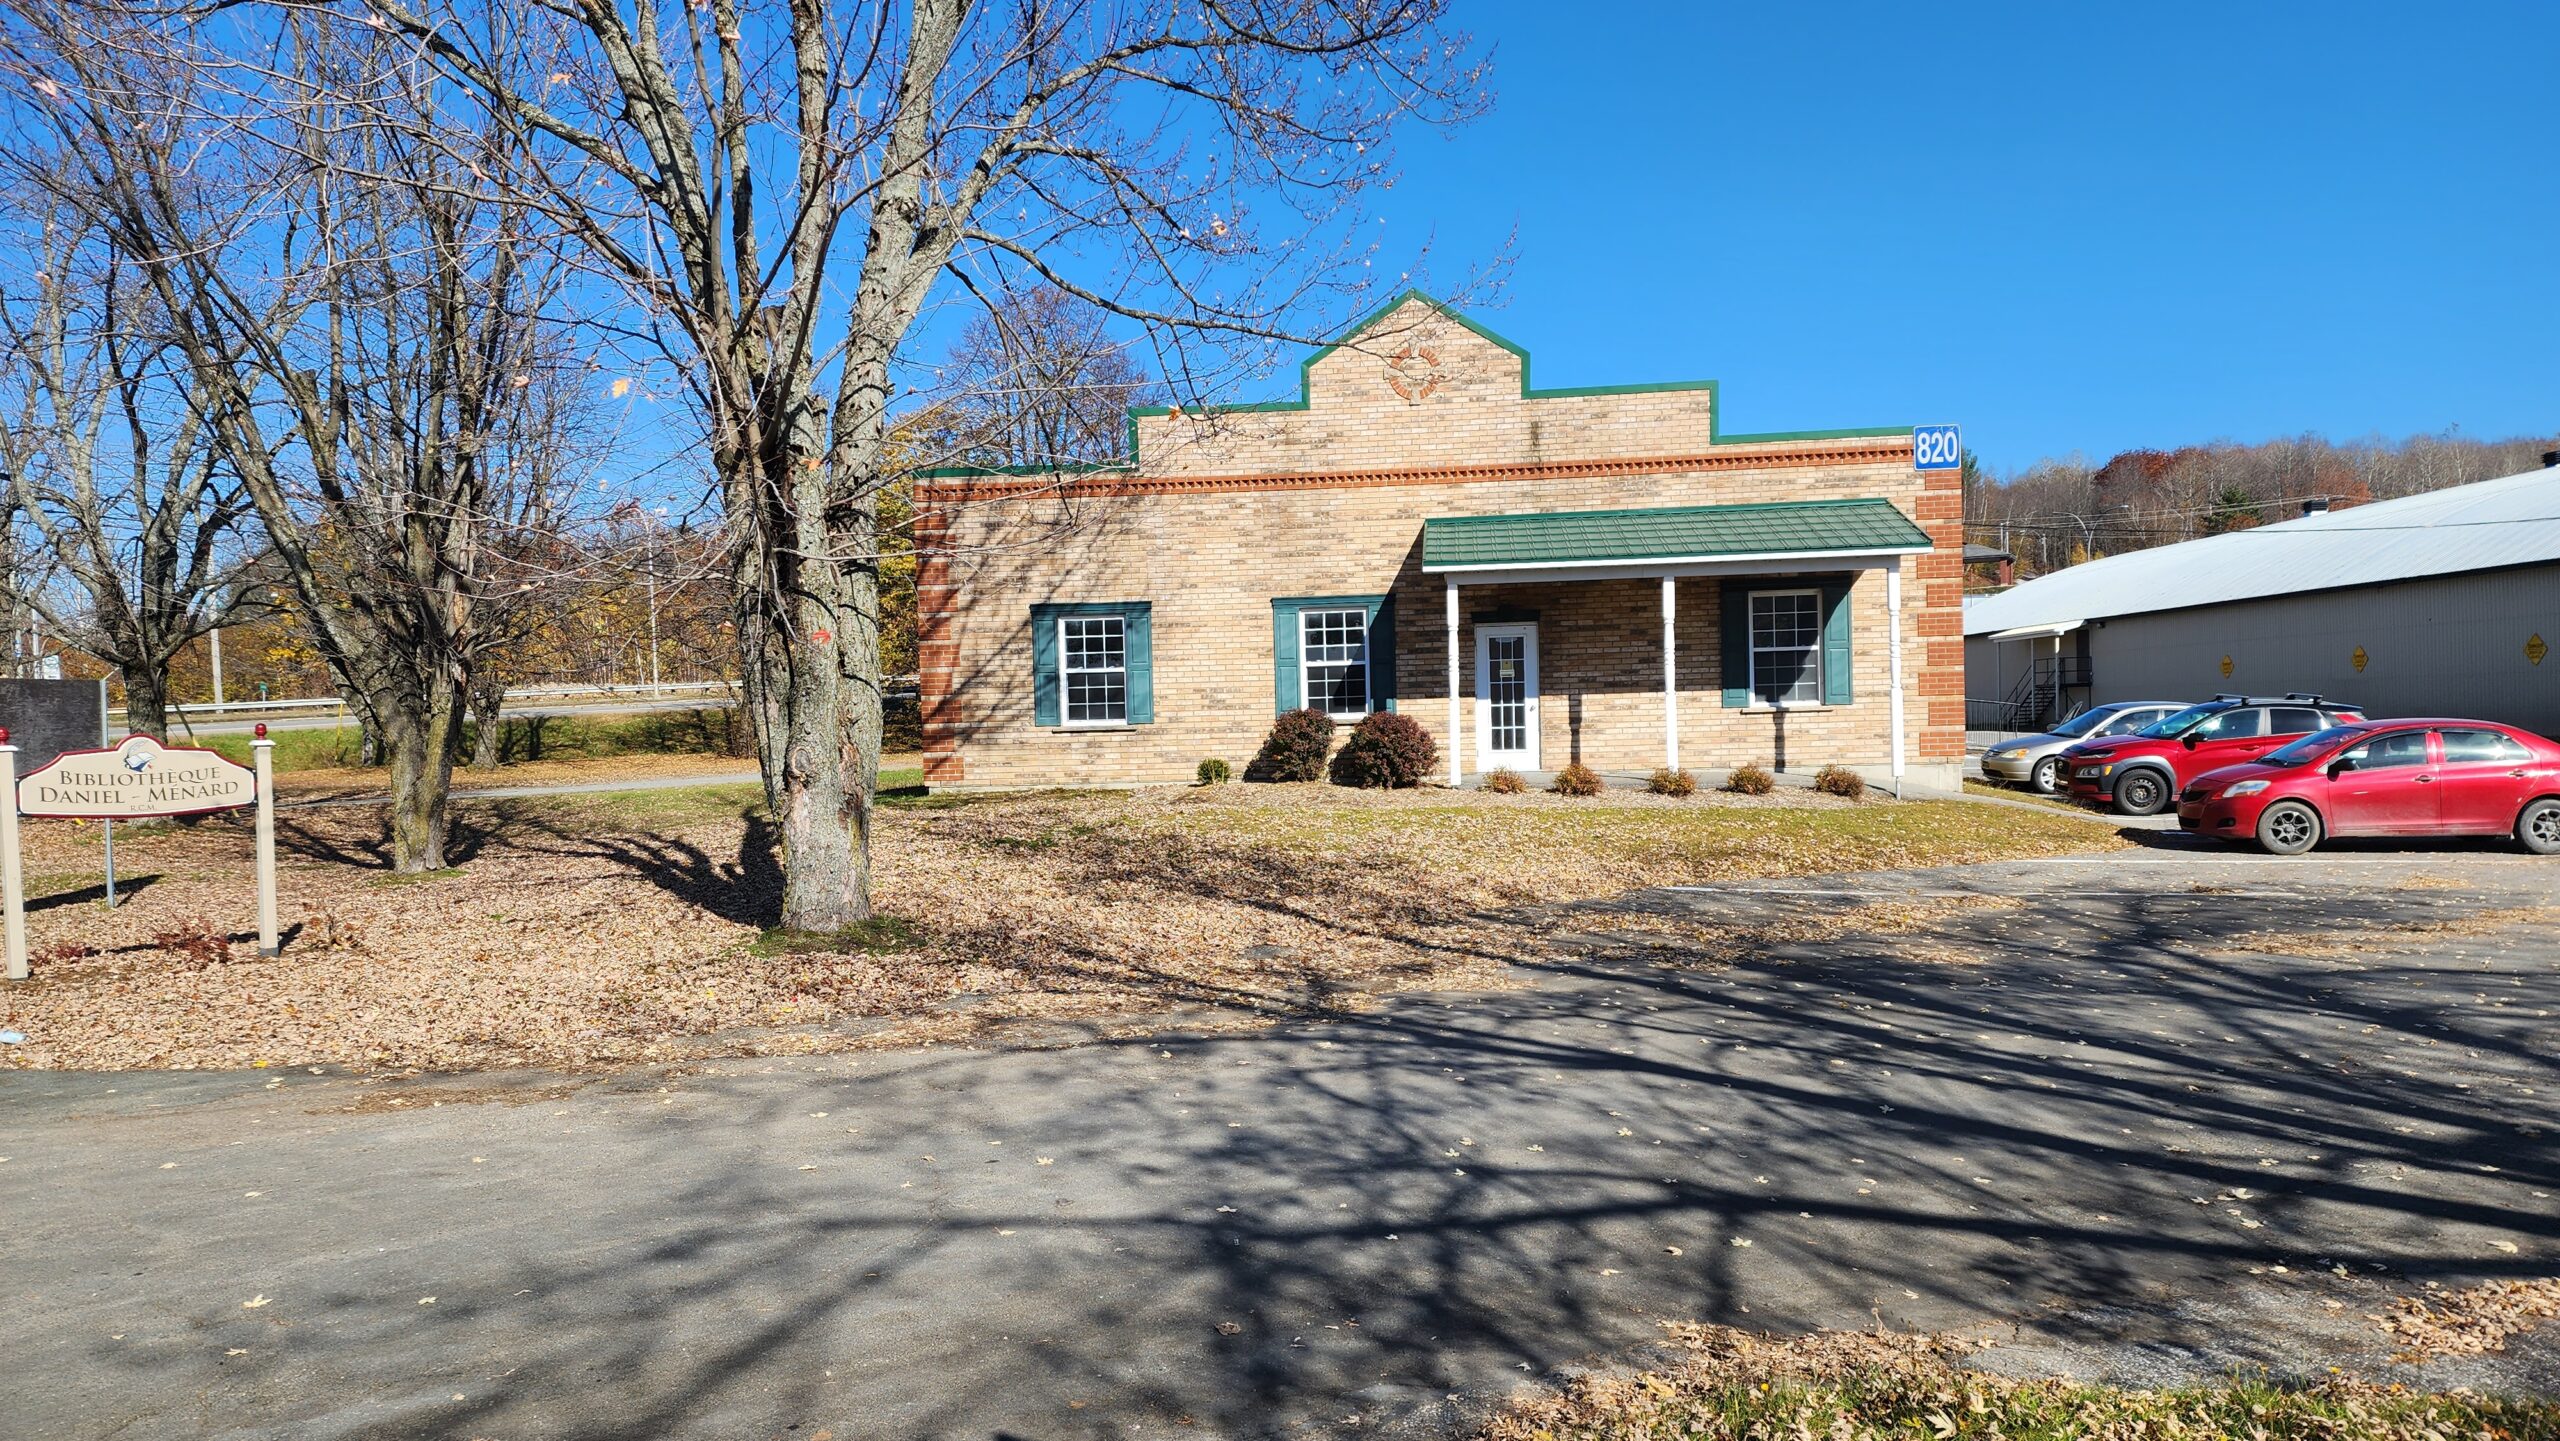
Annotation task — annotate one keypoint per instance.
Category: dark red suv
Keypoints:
(2141, 773)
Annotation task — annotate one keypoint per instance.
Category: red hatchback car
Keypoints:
(2140, 774)
(2386, 778)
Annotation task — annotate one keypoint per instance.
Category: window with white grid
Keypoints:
(1786, 647)
(1093, 669)
(1333, 661)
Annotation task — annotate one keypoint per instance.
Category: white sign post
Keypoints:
(138, 778)
(13, 882)
(263, 751)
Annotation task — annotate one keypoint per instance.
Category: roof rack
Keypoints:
(2291, 697)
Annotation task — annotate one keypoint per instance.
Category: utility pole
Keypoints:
(654, 689)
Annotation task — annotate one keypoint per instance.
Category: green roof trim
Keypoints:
(1306, 375)
(1686, 533)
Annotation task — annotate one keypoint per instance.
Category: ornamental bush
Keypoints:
(1386, 751)
(1750, 779)
(1840, 781)
(1215, 772)
(1504, 782)
(1577, 779)
(1295, 749)
(1668, 782)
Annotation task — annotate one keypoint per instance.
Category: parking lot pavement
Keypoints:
(2155, 1114)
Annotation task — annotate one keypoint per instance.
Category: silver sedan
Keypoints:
(2035, 761)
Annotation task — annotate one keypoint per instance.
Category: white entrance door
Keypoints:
(1507, 697)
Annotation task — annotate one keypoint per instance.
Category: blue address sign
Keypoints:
(1937, 447)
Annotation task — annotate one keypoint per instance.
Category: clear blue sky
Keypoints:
(2063, 226)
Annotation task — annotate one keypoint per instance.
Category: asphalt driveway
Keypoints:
(2103, 1101)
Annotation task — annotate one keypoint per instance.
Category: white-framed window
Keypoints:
(1333, 661)
(1093, 670)
(1786, 647)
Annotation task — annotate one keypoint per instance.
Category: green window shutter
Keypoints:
(1836, 689)
(1735, 604)
(1284, 656)
(1138, 652)
(1044, 666)
(1382, 654)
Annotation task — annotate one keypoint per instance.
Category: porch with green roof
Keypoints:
(1669, 544)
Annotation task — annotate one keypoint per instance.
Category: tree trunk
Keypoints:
(488, 745)
(420, 750)
(146, 701)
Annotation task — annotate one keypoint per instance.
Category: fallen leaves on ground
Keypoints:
(2470, 1321)
(1856, 1385)
(619, 928)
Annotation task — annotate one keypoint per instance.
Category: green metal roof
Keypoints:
(1689, 532)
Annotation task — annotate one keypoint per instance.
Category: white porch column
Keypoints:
(1457, 769)
(1670, 673)
(1893, 652)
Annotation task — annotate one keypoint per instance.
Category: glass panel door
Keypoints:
(1507, 697)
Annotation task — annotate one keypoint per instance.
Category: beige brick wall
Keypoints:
(1213, 528)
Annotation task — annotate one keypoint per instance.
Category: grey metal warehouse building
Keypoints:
(2446, 603)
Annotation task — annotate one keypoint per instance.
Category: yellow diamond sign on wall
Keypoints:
(2359, 658)
(2226, 667)
(2535, 650)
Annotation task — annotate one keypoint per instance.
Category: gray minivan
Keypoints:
(2035, 761)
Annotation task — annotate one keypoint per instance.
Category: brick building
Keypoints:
(1592, 574)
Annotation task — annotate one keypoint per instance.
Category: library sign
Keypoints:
(138, 779)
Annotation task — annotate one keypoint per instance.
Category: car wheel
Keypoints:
(2539, 827)
(2047, 776)
(2141, 793)
(2288, 828)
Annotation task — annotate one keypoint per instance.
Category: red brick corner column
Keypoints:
(937, 649)
(1941, 577)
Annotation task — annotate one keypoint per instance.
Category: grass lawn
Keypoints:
(626, 926)
(1875, 1385)
(1974, 787)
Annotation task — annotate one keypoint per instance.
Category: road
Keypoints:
(2139, 1105)
(636, 705)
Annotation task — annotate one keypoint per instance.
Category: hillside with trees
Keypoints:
(2059, 512)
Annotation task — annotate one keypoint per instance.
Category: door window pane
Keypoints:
(2481, 747)
(1093, 669)
(1786, 647)
(2296, 720)
(1506, 692)
(2233, 725)
(1333, 655)
(2395, 751)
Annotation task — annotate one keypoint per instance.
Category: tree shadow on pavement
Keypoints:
(2007, 1113)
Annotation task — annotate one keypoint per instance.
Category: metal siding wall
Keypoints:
(2449, 646)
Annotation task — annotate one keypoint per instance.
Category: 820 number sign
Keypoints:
(1936, 447)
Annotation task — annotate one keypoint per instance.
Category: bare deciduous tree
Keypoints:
(361, 323)
(786, 187)
(111, 466)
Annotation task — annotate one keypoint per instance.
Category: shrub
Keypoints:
(1215, 772)
(1504, 782)
(1386, 751)
(1295, 749)
(1840, 781)
(1668, 782)
(1750, 779)
(1577, 779)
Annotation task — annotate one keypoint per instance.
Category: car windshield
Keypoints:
(2181, 723)
(2312, 746)
(2085, 722)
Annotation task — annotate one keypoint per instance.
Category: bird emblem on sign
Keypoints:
(1414, 372)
